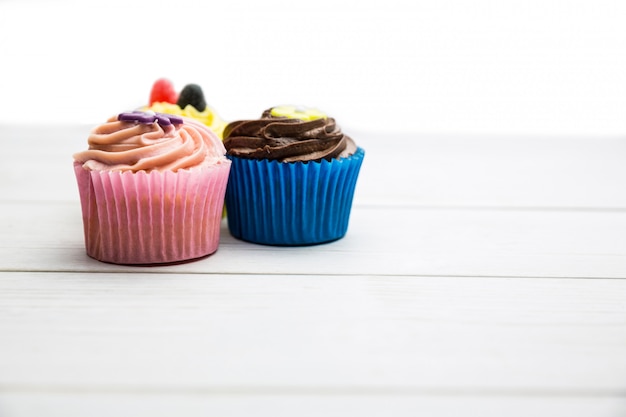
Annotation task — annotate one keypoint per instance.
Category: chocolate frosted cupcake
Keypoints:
(292, 179)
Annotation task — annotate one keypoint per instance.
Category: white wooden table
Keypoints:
(481, 276)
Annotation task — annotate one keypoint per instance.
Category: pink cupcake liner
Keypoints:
(152, 217)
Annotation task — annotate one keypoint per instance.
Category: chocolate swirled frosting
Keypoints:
(288, 134)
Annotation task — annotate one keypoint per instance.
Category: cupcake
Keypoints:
(190, 102)
(292, 179)
(152, 189)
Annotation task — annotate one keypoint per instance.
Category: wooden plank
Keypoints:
(332, 405)
(493, 171)
(312, 334)
(383, 241)
(410, 170)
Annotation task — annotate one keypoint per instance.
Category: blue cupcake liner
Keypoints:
(291, 204)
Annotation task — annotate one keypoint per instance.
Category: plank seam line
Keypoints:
(406, 206)
(150, 271)
(311, 391)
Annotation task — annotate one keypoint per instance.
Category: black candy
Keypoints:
(192, 94)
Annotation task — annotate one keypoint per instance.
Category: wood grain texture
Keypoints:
(414, 170)
(334, 405)
(275, 333)
(383, 241)
(480, 276)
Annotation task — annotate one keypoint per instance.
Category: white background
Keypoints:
(478, 67)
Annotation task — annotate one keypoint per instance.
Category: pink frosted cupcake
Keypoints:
(152, 189)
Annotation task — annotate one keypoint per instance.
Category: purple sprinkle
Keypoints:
(148, 118)
(177, 120)
(141, 117)
(163, 119)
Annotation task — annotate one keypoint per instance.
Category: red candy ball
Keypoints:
(163, 91)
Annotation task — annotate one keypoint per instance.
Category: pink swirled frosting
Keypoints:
(133, 146)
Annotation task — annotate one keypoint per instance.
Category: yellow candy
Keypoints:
(293, 112)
